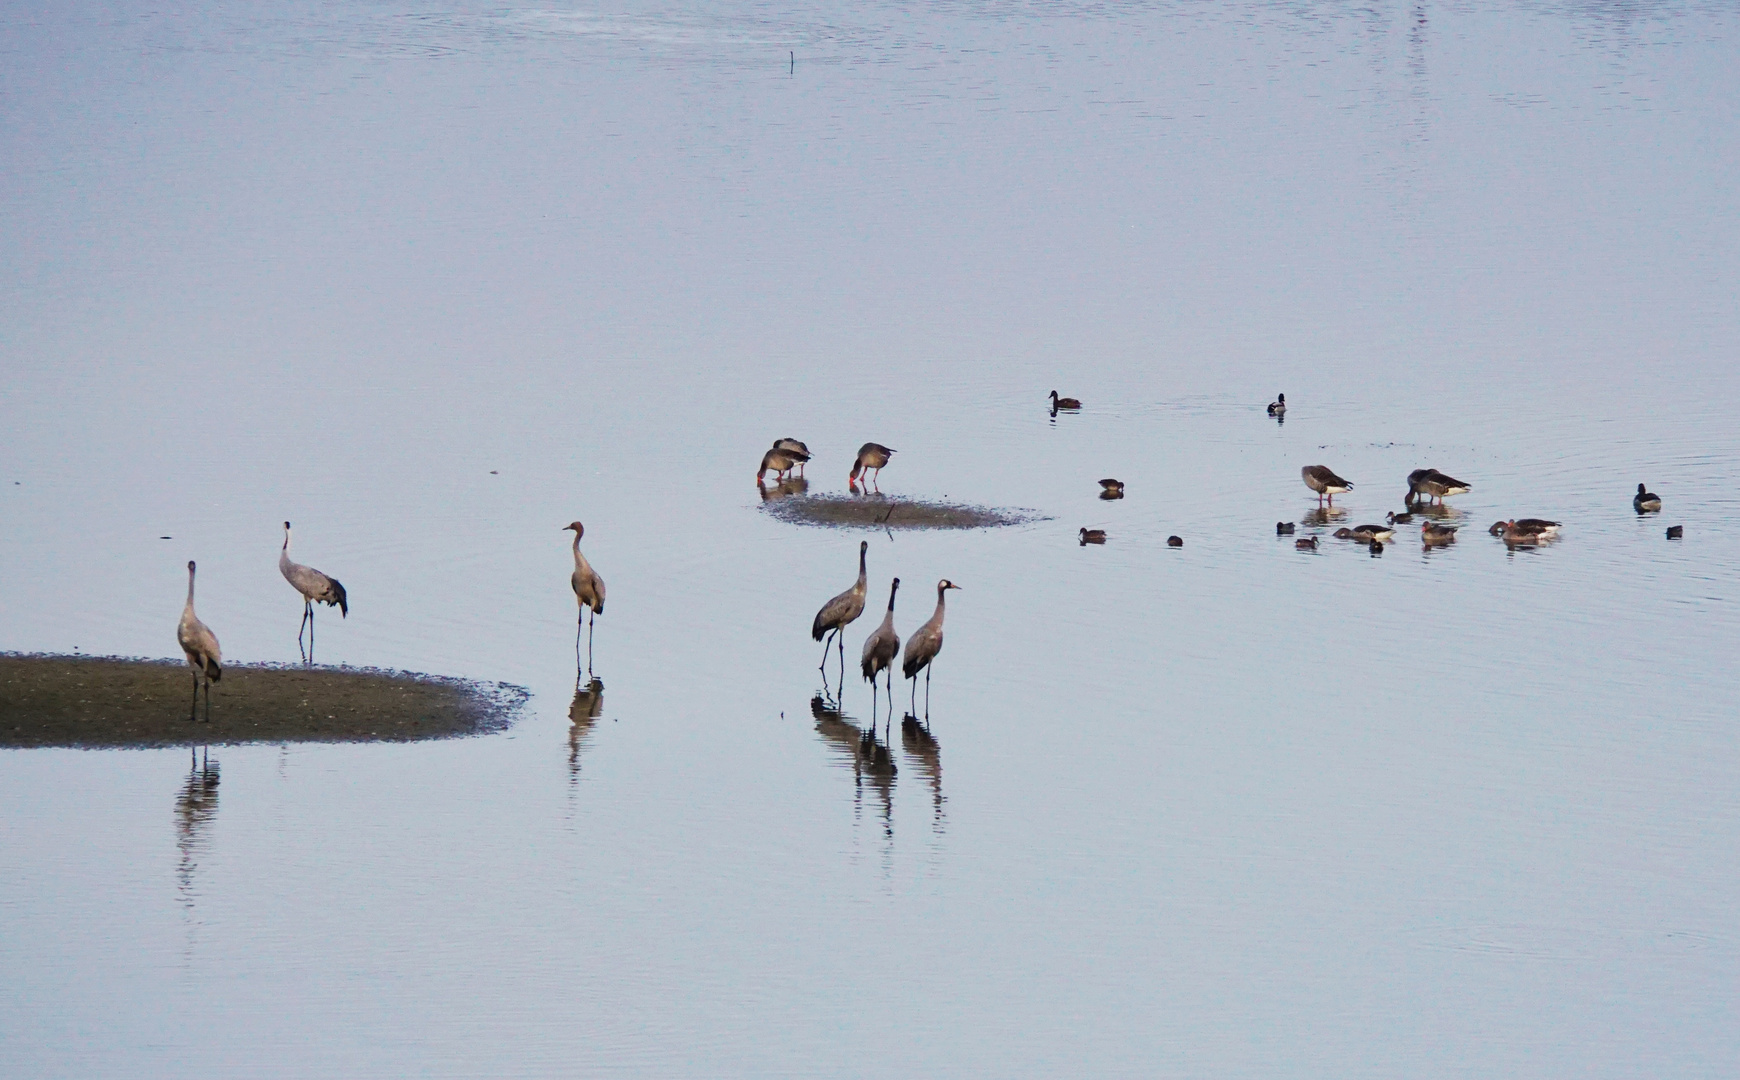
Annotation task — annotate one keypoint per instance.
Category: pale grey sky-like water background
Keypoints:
(433, 283)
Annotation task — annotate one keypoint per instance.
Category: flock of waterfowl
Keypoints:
(1427, 488)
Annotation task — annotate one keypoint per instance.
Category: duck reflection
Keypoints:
(869, 758)
(195, 810)
(926, 756)
(795, 485)
(588, 706)
(1322, 516)
(1439, 512)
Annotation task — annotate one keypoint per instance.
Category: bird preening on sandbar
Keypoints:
(840, 612)
(588, 593)
(315, 587)
(870, 456)
(200, 646)
(1324, 482)
(880, 649)
(923, 645)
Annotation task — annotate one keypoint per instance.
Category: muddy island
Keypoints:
(886, 512)
(109, 702)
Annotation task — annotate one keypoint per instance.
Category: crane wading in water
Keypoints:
(315, 587)
(840, 612)
(880, 649)
(923, 645)
(200, 646)
(588, 593)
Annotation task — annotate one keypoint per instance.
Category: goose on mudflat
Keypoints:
(1436, 485)
(1322, 480)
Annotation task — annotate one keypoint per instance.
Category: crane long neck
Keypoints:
(190, 590)
(891, 593)
(862, 551)
(941, 596)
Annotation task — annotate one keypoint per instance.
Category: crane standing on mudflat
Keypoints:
(314, 587)
(200, 646)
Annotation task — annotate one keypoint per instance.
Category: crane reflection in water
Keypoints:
(588, 706)
(868, 757)
(923, 750)
(195, 809)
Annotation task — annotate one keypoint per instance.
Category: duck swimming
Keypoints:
(1111, 489)
(1063, 403)
(1278, 407)
(1309, 543)
(1093, 536)
(1371, 534)
(1645, 501)
(1526, 531)
(1399, 519)
(1435, 535)
(1539, 526)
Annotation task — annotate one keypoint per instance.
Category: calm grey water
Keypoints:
(433, 284)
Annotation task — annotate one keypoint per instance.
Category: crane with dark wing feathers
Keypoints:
(840, 612)
(315, 587)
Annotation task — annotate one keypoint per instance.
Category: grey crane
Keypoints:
(315, 587)
(870, 456)
(923, 645)
(840, 612)
(200, 646)
(588, 593)
(880, 649)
